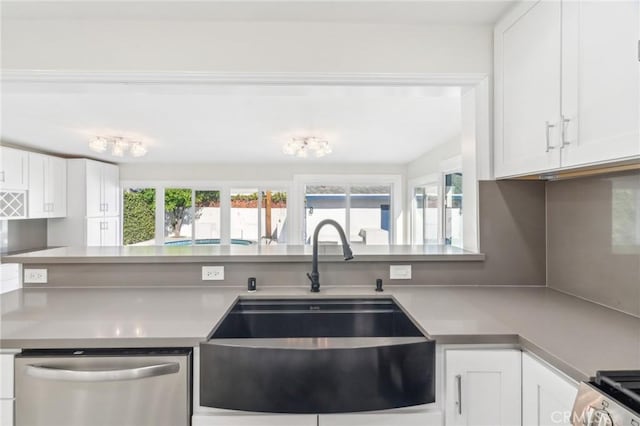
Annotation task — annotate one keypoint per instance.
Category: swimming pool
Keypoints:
(208, 241)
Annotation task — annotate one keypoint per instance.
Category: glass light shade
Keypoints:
(99, 144)
(137, 149)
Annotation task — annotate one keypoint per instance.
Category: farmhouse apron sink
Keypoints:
(316, 356)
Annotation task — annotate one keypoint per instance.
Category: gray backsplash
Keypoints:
(512, 224)
(593, 227)
(21, 235)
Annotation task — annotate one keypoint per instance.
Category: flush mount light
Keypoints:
(118, 146)
(304, 146)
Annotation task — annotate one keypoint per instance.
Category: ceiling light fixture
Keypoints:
(303, 146)
(118, 146)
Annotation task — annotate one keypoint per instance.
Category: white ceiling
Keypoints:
(467, 12)
(198, 123)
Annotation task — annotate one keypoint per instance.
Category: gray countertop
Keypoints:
(239, 253)
(577, 336)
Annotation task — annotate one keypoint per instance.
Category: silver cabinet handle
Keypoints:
(459, 393)
(548, 133)
(2, 176)
(55, 373)
(104, 226)
(564, 122)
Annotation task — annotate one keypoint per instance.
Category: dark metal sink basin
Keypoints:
(316, 356)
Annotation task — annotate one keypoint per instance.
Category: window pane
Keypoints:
(324, 202)
(273, 217)
(453, 209)
(418, 216)
(370, 214)
(207, 217)
(244, 216)
(431, 218)
(138, 216)
(178, 216)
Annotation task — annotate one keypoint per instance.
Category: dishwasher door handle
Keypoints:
(70, 375)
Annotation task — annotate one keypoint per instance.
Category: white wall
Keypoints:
(246, 172)
(151, 45)
(431, 162)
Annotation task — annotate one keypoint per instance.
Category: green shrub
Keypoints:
(138, 217)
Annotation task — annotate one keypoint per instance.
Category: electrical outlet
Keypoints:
(212, 273)
(400, 272)
(35, 276)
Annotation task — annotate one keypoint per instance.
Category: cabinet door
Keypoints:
(6, 412)
(528, 76)
(6, 374)
(385, 418)
(483, 387)
(111, 190)
(110, 231)
(13, 171)
(95, 205)
(38, 206)
(95, 226)
(601, 81)
(57, 187)
(239, 419)
(547, 396)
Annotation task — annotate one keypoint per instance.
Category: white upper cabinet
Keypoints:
(567, 85)
(547, 395)
(528, 69)
(482, 387)
(601, 81)
(103, 189)
(14, 172)
(47, 186)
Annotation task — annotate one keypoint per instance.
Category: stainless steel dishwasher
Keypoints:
(97, 387)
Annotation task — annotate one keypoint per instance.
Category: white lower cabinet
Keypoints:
(6, 389)
(482, 387)
(400, 417)
(547, 395)
(103, 231)
(6, 412)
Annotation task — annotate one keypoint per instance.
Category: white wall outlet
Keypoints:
(35, 276)
(400, 272)
(212, 273)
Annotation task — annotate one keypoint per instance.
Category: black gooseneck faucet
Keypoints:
(314, 276)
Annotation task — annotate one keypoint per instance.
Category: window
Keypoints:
(191, 216)
(207, 217)
(324, 202)
(364, 212)
(453, 209)
(178, 216)
(273, 217)
(370, 214)
(138, 216)
(425, 215)
(244, 216)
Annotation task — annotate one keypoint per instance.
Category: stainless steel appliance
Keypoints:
(612, 398)
(91, 387)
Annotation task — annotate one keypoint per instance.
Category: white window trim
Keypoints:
(297, 204)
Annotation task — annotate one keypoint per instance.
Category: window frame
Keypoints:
(224, 187)
(393, 181)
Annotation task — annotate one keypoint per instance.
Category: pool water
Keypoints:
(207, 241)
